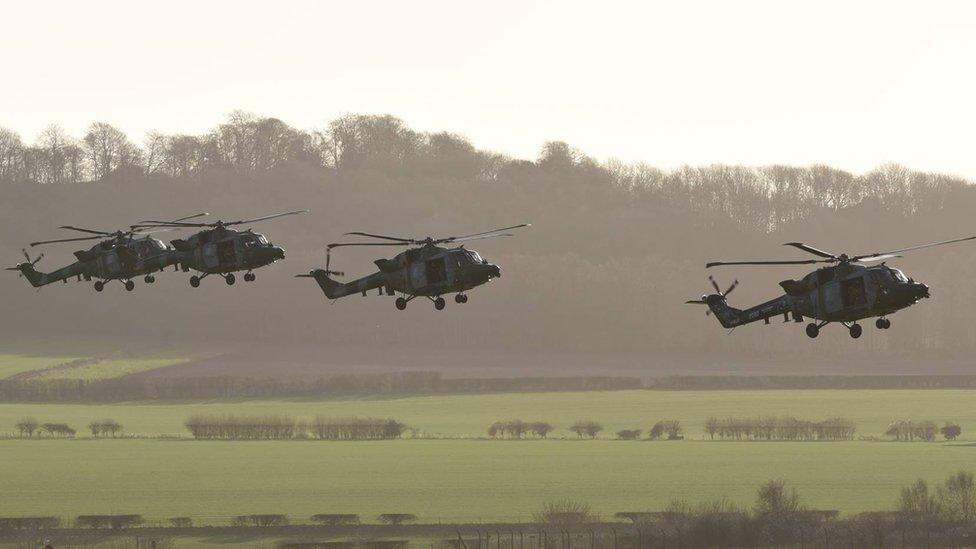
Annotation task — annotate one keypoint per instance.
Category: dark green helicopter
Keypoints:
(844, 292)
(429, 270)
(121, 255)
(221, 250)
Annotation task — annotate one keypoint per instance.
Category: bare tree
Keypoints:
(958, 497)
(108, 149)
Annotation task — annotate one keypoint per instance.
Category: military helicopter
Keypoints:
(429, 270)
(221, 250)
(845, 292)
(121, 255)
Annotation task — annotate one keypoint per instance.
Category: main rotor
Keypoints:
(114, 237)
(831, 258)
(219, 224)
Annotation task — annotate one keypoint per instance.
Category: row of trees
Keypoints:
(779, 428)
(271, 427)
(668, 428)
(906, 430)
(28, 427)
(516, 428)
(105, 427)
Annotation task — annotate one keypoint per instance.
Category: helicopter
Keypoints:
(221, 250)
(845, 292)
(429, 270)
(121, 255)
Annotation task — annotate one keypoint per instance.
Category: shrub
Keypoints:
(629, 434)
(565, 513)
(335, 519)
(396, 519)
(951, 431)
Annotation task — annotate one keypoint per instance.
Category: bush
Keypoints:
(565, 513)
(115, 522)
(951, 431)
(396, 519)
(29, 523)
(260, 521)
(181, 522)
(629, 434)
(335, 519)
(587, 428)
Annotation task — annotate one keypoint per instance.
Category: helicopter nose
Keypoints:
(277, 253)
(494, 271)
(920, 290)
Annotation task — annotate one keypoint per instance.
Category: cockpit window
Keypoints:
(474, 256)
(899, 276)
(262, 240)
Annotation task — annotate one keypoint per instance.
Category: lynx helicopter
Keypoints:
(121, 255)
(429, 270)
(221, 250)
(844, 292)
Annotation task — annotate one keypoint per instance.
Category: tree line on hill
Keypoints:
(28, 427)
(270, 427)
(595, 225)
(393, 383)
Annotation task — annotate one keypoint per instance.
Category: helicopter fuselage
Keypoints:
(109, 260)
(428, 271)
(843, 293)
(222, 251)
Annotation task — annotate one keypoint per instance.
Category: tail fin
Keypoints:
(729, 317)
(35, 277)
(331, 288)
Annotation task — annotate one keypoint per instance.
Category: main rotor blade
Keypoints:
(343, 244)
(811, 249)
(456, 238)
(154, 223)
(879, 254)
(67, 240)
(695, 302)
(396, 238)
(79, 229)
(141, 232)
(875, 258)
(272, 216)
(194, 216)
(797, 262)
(468, 238)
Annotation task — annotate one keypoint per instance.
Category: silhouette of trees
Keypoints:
(565, 512)
(230, 427)
(396, 519)
(181, 522)
(779, 428)
(57, 430)
(260, 521)
(629, 434)
(908, 430)
(27, 426)
(516, 428)
(106, 427)
(335, 519)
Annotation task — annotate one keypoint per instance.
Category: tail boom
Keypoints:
(730, 317)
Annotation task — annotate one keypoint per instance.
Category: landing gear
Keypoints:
(401, 303)
(149, 279)
(883, 323)
(229, 279)
(813, 330)
(855, 330)
(249, 277)
(195, 281)
(439, 303)
(99, 285)
(460, 298)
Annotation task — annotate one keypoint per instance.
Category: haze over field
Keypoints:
(514, 119)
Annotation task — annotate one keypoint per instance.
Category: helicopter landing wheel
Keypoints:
(881, 323)
(129, 285)
(195, 281)
(887, 324)
(813, 330)
(439, 303)
(249, 277)
(460, 298)
(401, 303)
(855, 330)
(99, 285)
(230, 279)
(149, 279)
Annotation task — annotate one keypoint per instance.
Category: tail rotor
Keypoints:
(29, 264)
(718, 291)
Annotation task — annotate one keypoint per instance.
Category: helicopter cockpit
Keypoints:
(251, 240)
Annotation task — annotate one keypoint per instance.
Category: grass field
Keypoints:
(13, 364)
(470, 415)
(106, 369)
(447, 480)
(470, 480)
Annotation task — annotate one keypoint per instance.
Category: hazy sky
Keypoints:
(853, 84)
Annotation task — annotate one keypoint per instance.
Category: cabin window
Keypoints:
(853, 293)
(436, 271)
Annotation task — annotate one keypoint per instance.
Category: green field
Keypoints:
(470, 415)
(13, 364)
(470, 480)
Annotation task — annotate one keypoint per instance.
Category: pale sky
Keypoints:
(851, 84)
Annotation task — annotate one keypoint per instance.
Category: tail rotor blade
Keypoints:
(714, 284)
(732, 287)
